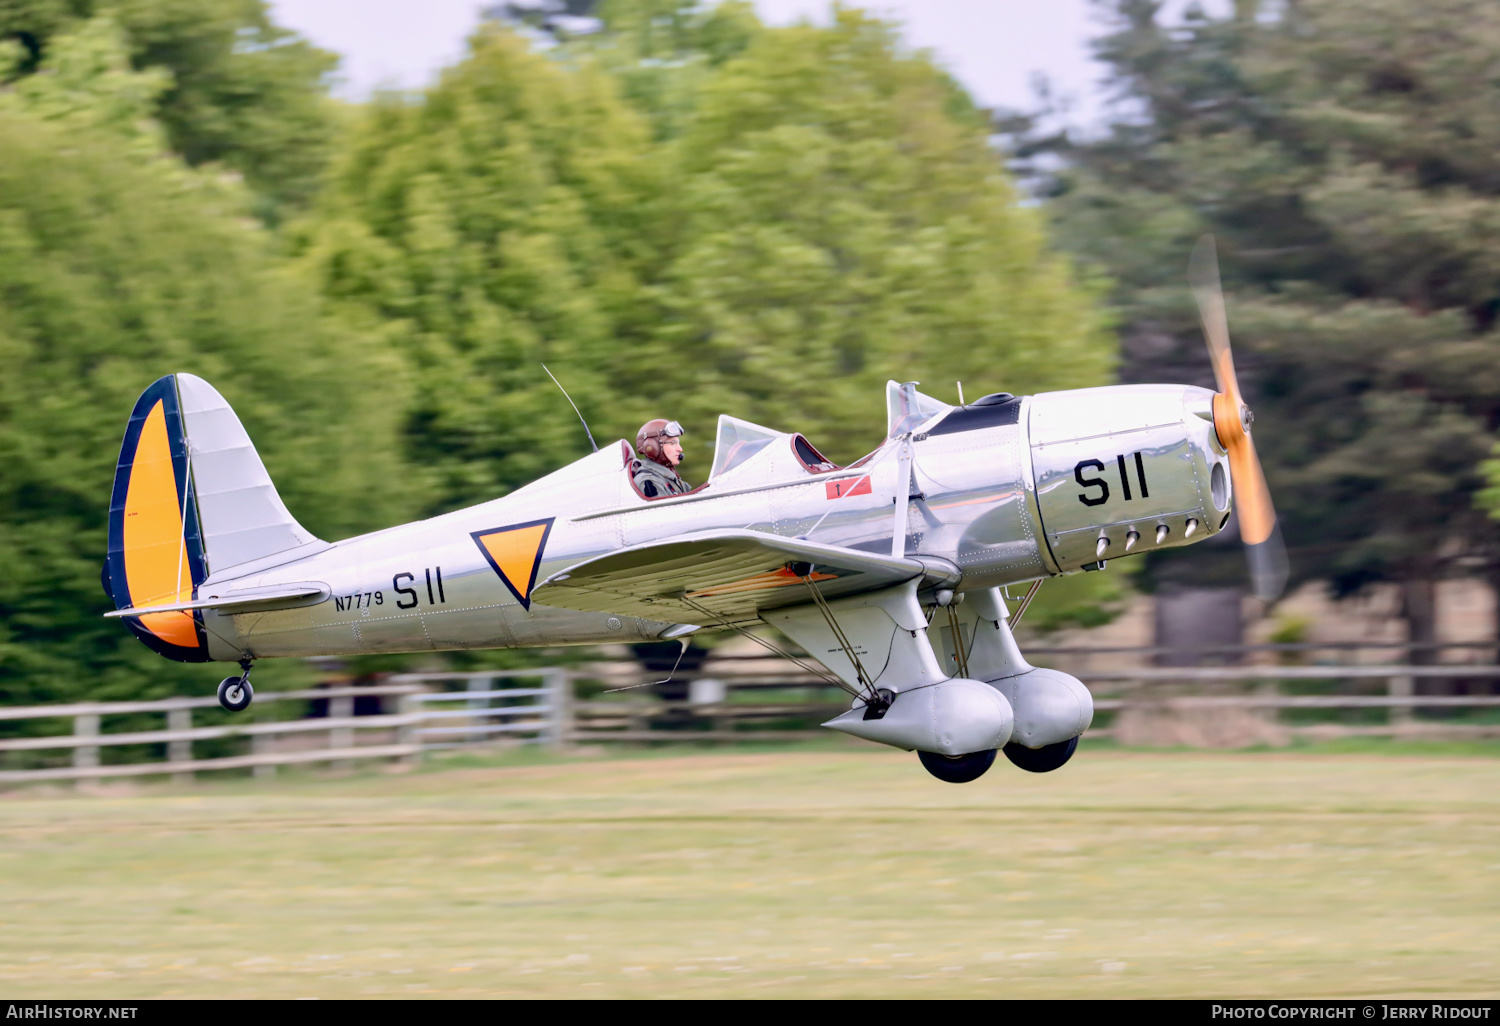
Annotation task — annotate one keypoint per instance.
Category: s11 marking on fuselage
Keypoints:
(405, 584)
(1100, 483)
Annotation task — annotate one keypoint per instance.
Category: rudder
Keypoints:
(155, 554)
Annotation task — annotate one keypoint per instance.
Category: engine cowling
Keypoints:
(1109, 463)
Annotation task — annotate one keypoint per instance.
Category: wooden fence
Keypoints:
(734, 715)
(735, 700)
(485, 710)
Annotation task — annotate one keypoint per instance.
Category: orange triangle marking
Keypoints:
(515, 552)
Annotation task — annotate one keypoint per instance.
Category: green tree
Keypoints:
(491, 227)
(843, 220)
(118, 266)
(1344, 153)
(685, 215)
(87, 83)
(238, 89)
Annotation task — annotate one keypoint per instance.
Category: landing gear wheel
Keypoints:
(1044, 759)
(235, 693)
(957, 769)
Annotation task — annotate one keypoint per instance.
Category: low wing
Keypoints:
(246, 600)
(731, 574)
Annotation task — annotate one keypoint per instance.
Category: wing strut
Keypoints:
(1026, 602)
(871, 696)
(812, 668)
(903, 499)
(960, 653)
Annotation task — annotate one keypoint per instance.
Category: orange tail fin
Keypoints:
(155, 541)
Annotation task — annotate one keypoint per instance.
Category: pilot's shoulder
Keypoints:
(645, 478)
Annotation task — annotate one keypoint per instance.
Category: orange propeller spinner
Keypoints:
(1259, 530)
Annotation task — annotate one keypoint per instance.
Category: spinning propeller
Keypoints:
(1264, 548)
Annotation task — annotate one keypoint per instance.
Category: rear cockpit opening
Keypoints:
(811, 459)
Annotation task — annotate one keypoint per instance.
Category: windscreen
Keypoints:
(738, 441)
(905, 407)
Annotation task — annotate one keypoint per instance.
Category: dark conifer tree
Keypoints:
(1346, 153)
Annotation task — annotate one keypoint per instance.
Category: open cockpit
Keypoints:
(741, 444)
(750, 455)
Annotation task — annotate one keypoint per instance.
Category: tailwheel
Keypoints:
(1044, 759)
(235, 693)
(957, 769)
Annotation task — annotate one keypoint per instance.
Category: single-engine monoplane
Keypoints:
(887, 572)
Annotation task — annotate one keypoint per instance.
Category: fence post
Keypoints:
(406, 734)
(478, 684)
(560, 699)
(1400, 687)
(1269, 689)
(180, 751)
(712, 695)
(262, 744)
(341, 737)
(86, 756)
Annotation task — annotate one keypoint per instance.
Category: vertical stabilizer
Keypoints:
(191, 497)
(243, 517)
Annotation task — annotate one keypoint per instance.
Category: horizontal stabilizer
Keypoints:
(732, 574)
(246, 600)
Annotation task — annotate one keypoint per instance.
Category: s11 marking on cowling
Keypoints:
(1100, 483)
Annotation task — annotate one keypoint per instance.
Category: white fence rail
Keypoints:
(537, 706)
(488, 710)
(1192, 692)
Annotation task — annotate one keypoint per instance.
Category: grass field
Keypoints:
(832, 872)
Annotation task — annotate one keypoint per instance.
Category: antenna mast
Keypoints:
(571, 403)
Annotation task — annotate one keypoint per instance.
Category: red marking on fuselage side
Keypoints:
(839, 489)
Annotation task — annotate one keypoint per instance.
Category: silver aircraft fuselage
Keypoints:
(1012, 491)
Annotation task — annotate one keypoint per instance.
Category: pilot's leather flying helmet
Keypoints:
(649, 439)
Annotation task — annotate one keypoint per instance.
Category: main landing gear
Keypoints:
(1044, 759)
(960, 769)
(957, 769)
(235, 693)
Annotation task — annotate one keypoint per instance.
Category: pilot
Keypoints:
(655, 470)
